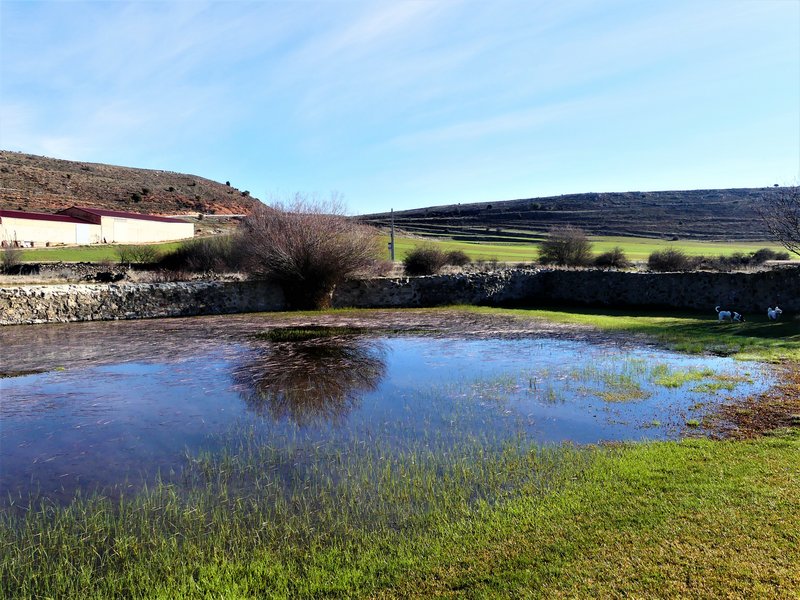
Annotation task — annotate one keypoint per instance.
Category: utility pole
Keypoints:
(391, 239)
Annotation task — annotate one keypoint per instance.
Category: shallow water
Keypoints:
(117, 422)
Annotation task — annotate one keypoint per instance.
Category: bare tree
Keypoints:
(780, 212)
(566, 246)
(307, 246)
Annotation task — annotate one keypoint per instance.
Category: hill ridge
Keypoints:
(42, 184)
(706, 214)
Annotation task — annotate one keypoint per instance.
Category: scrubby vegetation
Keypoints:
(670, 259)
(614, 258)
(307, 246)
(426, 259)
(566, 246)
(10, 259)
(138, 254)
(218, 254)
(675, 259)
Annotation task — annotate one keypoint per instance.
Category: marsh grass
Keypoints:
(472, 519)
(310, 332)
(292, 506)
(664, 376)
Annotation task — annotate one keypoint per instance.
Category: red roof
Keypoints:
(18, 214)
(102, 212)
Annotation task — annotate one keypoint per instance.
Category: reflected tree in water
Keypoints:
(310, 381)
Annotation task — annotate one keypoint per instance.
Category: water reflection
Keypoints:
(310, 381)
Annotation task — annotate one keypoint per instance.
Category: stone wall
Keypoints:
(88, 302)
(498, 287)
(746, 292)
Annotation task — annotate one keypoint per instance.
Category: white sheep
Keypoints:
(729, 315)
(774, 313)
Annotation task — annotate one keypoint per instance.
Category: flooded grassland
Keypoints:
(297, 434)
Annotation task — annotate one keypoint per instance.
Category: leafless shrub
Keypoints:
(568, 246)
(671, 259)
(307, 246)
(458, 258)
(488, 264)
(780, 212)
(138, 254)
(11, 258)
(614, 259)
(426, 259)
(208, 254)
(381, 268)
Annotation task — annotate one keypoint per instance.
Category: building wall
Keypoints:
(134, 231)
(41, 232)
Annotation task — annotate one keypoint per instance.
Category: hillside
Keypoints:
(41, 184)
(696, 214)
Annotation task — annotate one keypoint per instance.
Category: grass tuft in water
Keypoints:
(277, 501)
(302, 334)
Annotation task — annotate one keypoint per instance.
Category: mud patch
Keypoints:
(776, 408)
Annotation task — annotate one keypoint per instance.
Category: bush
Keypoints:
(567, 246)
(11, 258)
(307, 247)
(763, 255)
(424, 260)
(457, 258)
(205, 254)
(671, 259)
(614, 258)
(142, 254)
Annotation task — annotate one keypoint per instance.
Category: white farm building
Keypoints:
(82, 225)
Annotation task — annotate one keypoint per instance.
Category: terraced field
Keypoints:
(721, 215)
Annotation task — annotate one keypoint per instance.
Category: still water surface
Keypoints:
(117, 423)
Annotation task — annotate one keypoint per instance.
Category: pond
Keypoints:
(114, 406)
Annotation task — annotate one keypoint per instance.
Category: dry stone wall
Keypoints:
(746, 292)
(99, 302)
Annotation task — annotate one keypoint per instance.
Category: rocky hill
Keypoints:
(725, 214)
(41, 184)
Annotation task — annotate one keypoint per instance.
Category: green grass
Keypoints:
(696, 518)
(756, 339)
(641, 248)
(635, 248)
(95, 253)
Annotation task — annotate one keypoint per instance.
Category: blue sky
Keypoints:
(407, 104)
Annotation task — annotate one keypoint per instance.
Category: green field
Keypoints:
(635, 248)
(95, 253)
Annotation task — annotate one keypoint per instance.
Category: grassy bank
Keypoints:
(756, 339)
(696, 518)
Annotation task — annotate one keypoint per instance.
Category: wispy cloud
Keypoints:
(321, 95)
